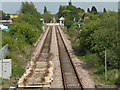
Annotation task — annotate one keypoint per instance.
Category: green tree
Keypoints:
(80, 10)
(25, 7)
(88, 10)
(94, 10)
(29, 8)
(31, 19)
(47, 17)
(70, 3)
(104, 10)
(60, 11)
(45, 9)
(70, 12)
(68, 23)
(23, 31)
(2, 15)
(99, 34)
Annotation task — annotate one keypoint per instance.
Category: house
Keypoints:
(2, 27)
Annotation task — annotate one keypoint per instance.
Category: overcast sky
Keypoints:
(61, 0)
(13, 6)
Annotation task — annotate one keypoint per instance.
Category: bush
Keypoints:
(23, 34)
(69, 12)
(68, 23)
(112, 77)
(47, 17)
(92, 59)
(112, 59)
(101, 69)
(99, 34)
(30, 19)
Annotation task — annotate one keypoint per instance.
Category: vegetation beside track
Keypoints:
(24, 32)
(99, 32)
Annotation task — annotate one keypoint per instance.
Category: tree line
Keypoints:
(94, 10)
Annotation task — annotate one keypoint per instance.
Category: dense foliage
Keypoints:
(94, 10)
(88, 10)
(100, 33)
(104, 10)
(69, 12)
(97, 32)
(47, 17)
(29, 8)
(23, 34)
(45, 9)
(27, 24)
(70, 3)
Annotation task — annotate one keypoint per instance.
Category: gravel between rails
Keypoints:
(83, 73)
(57, 76)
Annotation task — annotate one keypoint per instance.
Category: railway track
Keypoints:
(69, 73)
(40, 72)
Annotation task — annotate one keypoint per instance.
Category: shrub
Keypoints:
(101, 69)
(93, 59)
(112, 77)
(23, 32)
(47, 17)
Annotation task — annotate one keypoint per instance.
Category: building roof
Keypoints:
(62, 18)
(41, 19)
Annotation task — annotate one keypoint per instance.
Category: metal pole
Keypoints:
(1, 68)
(105, 68)
(2, 71)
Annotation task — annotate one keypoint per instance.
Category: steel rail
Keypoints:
(50, 40)
(62, 71)
(37, 58)
(46, 39)
(63, 75)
